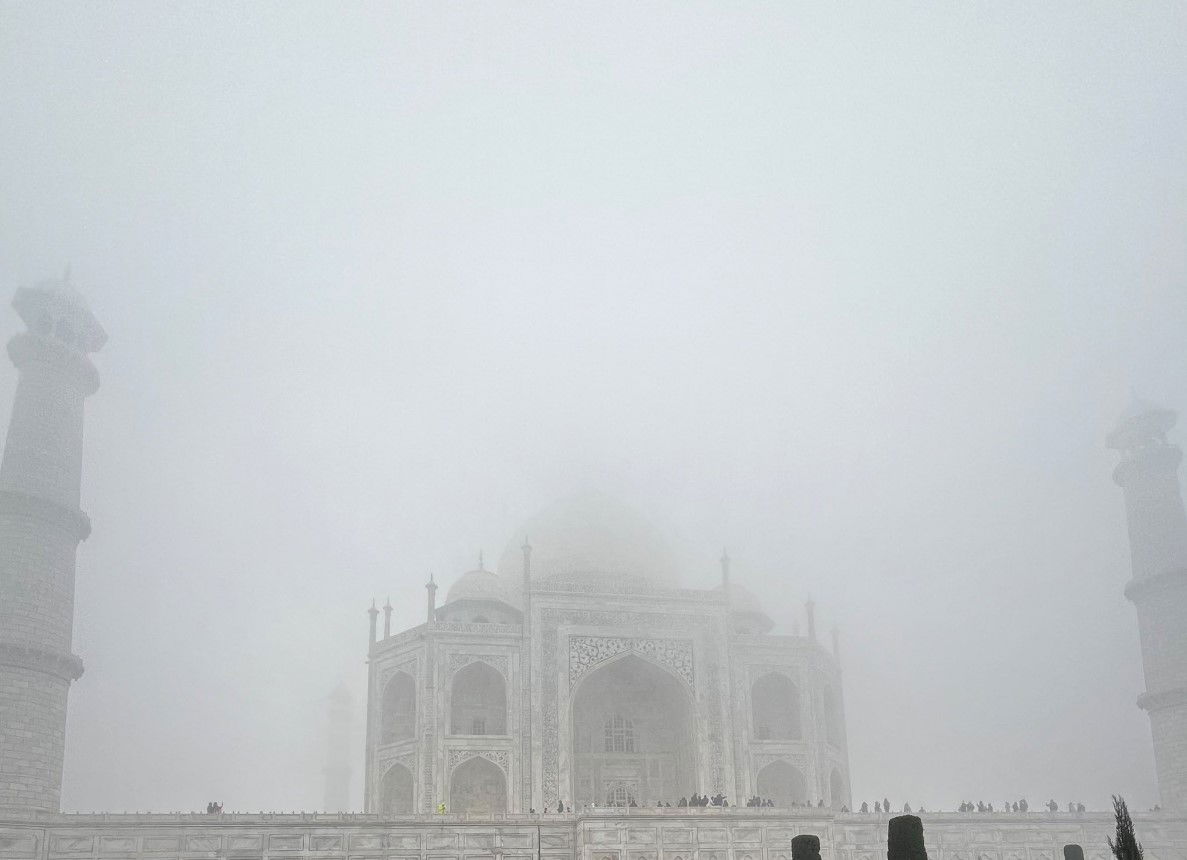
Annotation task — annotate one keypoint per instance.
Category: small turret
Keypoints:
(431, 588)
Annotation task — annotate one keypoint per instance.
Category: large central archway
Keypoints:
(633, 737)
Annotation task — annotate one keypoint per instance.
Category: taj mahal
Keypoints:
(559, 705)
(582, 673)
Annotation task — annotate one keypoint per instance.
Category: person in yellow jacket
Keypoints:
(440, 808)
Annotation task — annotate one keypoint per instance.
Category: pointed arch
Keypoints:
(398, 714)
(396, 792)
(632, 733)
(478, 701)
(775, 708)
(782, 783)
(477, 785)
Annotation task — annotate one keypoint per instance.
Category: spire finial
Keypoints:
(66, 274)
(481, 564)
(725, 567)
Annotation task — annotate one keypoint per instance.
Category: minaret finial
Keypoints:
(431, 595)
(66, 274)
(725, 567)
(481, 564)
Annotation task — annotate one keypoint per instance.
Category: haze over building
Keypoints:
(580, 674)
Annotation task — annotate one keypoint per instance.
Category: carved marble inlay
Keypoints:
(761, 760)
(407, 759)
(586, 652)
(498, 662)
(499, 757)
(408, 667)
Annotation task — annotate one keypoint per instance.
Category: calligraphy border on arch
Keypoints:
(496, 757)
(498, 662)
(589, 652)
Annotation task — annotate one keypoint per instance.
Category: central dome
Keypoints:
(592, 538)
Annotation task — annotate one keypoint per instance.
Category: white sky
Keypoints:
(856, 290)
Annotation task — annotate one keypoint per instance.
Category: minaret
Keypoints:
(431, 605)
(1148, 473)
(40, 528)
(337, 770)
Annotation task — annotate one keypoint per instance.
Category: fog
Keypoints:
(855, 291)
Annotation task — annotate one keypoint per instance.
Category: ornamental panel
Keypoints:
(498, 662)
(498, 757)
(587, 652)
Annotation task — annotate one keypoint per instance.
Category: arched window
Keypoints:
(620, 734)
(783, 784)
(397, 791)
(776, 708)
(620, 794)
(478, 703)
(477, 785)
(398, 721)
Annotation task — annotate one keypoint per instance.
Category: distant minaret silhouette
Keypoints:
(337, 771)
(1148, 473)
(40, 528)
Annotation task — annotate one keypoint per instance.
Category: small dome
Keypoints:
(743, 602)
(482, 585)
(591, 537)
(1141, 423)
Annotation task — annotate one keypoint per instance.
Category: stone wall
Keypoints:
(709, 834)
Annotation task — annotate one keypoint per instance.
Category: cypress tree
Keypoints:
(805, 847)
(1126, 846)
(904, 839)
